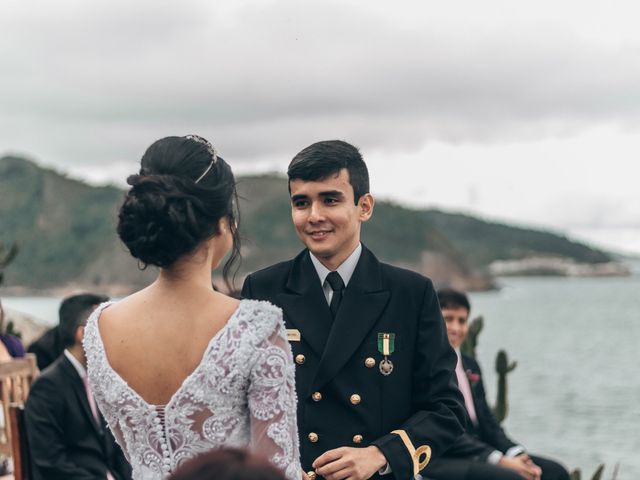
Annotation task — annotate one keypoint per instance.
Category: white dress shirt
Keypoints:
(345, 270)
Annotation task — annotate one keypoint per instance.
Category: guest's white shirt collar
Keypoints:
(345, 269)
(76, 364)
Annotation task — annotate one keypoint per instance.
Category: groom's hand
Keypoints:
(349, 462)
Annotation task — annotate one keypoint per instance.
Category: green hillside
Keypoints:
(66, 233)
(502, 242)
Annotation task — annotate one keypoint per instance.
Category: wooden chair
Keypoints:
(16, 377)
(19, 443)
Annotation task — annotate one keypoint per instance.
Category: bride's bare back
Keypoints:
(155, 338)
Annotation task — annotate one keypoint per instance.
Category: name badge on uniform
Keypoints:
(293, 335)
(386, 346)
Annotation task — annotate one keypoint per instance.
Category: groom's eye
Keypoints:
(300, 203)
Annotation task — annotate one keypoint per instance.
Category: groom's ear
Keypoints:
(365, 207)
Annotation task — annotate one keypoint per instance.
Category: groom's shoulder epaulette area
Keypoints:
(266, 276)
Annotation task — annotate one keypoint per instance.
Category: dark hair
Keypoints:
(227, 464)
(450, 298)
(73, 313)
(323, 159)
(177, 200)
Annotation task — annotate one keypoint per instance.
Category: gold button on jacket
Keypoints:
(312, 475)
(357, 439)
(370, 362)
(301, 358)
(313, 437)
(355, 399)
(317, 396)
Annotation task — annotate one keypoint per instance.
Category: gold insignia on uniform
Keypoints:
(293, 335)
(423, 452)
(355, 399)
(370, 362)
(300, 359)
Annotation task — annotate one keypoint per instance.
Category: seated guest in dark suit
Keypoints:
(68, 438)
(48, 347)
(484, 452)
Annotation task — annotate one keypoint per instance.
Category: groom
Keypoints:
(375, 372)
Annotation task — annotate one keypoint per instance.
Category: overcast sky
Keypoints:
(527, 112)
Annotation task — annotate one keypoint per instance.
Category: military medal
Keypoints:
(386, 346)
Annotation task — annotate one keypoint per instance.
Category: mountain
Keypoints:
(65, 230)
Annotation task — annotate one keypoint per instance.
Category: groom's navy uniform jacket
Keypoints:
(344, 399)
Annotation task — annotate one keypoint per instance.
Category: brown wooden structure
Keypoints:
(16, 378)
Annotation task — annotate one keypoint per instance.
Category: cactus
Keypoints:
(470, 343)
(503, 367)
(597, 475)
(10, 329)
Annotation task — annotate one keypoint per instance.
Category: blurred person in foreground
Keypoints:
(10, 346)
(484, 452)
(68, 438)
(227, 464)
(375, 372)
(178, 368)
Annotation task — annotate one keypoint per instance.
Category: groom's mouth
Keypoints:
(319, 234)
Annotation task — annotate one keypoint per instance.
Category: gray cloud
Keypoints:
(87, 86)
(266, 77)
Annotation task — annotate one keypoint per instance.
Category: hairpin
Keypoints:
(211, 150)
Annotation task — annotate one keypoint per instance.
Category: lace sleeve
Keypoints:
(272, 403)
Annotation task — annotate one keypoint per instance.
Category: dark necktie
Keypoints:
(337, 285)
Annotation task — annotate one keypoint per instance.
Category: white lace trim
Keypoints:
(241, 394)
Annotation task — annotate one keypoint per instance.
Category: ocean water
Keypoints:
(575, 394)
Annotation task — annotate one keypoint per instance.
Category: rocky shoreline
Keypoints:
(559, 267)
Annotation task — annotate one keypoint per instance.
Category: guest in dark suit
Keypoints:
(375, 381)
(68, 438)
(47, 348)
(484, 452)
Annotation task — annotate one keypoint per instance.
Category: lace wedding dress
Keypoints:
(242, 394)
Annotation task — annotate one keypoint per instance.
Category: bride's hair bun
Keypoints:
(176, 201)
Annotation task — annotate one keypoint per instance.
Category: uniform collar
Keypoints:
(345, 269)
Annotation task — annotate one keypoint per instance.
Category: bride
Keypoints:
(179, 368)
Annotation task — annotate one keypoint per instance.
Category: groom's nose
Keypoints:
(316, 212)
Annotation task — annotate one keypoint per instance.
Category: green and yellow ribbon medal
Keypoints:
(386, 346)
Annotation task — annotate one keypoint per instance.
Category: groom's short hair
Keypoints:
(323, 159)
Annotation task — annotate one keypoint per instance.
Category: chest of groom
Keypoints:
(355, 373)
